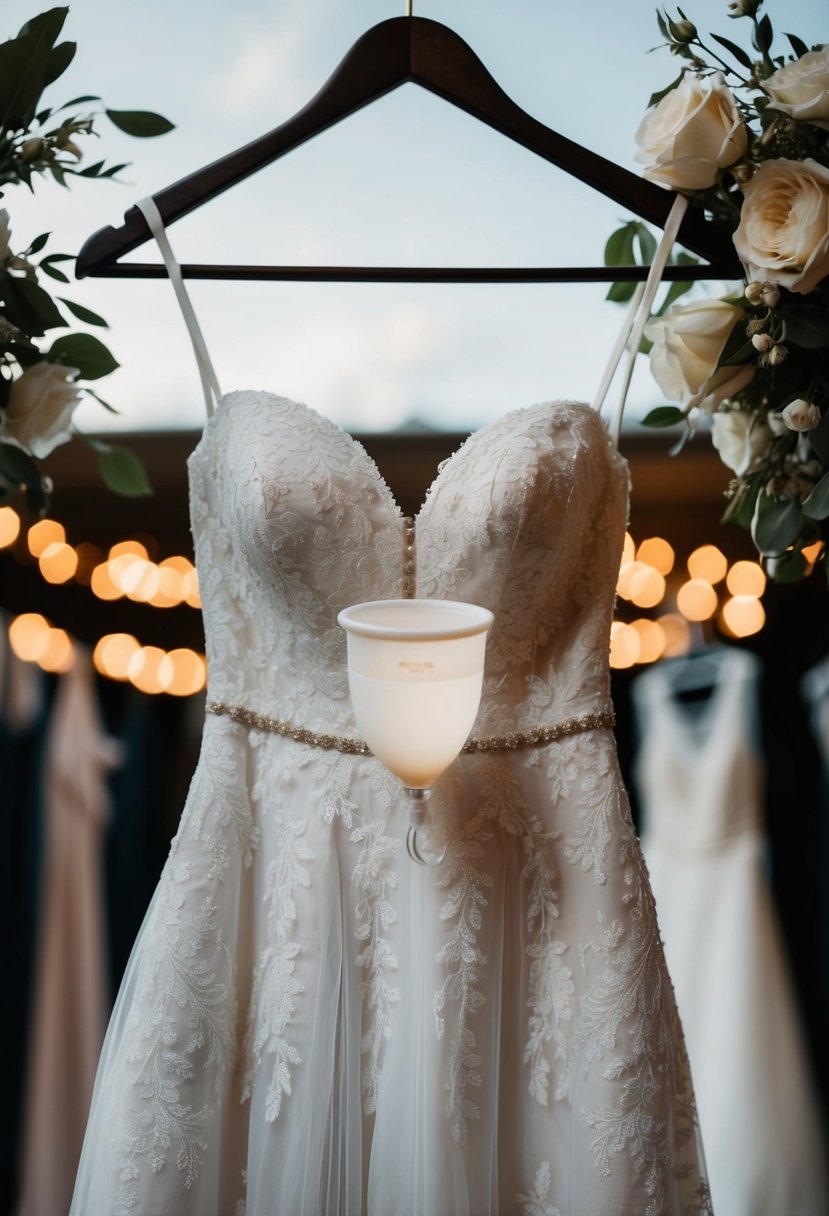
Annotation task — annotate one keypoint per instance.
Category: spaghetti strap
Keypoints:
(210, 383)
(636, 318)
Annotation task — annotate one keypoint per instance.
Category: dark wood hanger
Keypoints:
(430, 54)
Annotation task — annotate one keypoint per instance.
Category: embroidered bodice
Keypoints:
(292, 522)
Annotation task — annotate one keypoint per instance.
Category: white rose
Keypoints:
(801, 415)
(5, 233)
(742, 439)
(687, 343)
(801, 89)
(38, 416)
(783, 234)
(694, 131)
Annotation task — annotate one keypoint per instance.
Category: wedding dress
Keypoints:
(700, 777)
(310, 1024)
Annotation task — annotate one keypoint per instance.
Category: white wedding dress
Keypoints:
(310, 1024)
(700, 777)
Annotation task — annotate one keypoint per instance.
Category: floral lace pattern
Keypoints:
(274, 1024)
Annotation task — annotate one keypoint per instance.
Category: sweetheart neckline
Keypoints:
(370, 463)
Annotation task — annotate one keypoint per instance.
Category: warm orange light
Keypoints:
(141, 582)
(707, 564)
(113, 653)
(102, 584)
(628, 550)
(743, 615)
(58, 562)
(128, 548)
(626, 576)
(29, 636)
(813, 552)
(169, 591)
(746, 578)
(45, 532)
(652, 640)
(658, 553)
(696, 600)
(190, 588)
(625, 645)
(143, 669)
(9, 526)
(59, 653)
(188, 672)
(677, 633)
(647, 587)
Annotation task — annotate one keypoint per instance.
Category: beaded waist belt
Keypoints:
(537, 737)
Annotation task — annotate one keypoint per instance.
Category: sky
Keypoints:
(409, 179)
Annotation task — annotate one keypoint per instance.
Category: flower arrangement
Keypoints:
(42, 381)
(745, 136)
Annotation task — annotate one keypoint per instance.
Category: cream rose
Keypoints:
(783, 234)
(694, 131)
(5, 233)
(742, 438)
(801, 89)
(38, 416)
(801, 415)
(687, 343)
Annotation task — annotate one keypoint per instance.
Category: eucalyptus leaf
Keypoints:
(17, 466)
(77, 101)
(656, 97)
(776, 524)
(122, 472)
(664, 415)
(22, 68)
(763, 35)
(621, 292)
(790, 568)
(86, 353)
(816, 505)
(83, 314)
(618, 250)
(141, 123)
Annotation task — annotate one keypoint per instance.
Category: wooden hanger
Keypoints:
(398, 50)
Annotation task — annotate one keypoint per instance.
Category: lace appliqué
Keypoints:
(535, 1203)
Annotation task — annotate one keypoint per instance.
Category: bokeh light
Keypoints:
(658, 553)
(697, 600)
(9, 526)
(743, 615)
(44, 533)
(707, 564)
(746, 578)
(29, 636)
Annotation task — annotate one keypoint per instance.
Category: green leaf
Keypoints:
(618, 250)
(38, 243)
(737, 349)
(664, 415)
(54, 273)
(30, 308)
(101, 401)
(58, 61)
(798, 45)
(77, 101)
(740, 510)
(790, 568)
(113, 169)
(816, 505)
(763, 35)
(17, 466)
(737, 51)
(83, 314)
(92, 170)
(141, 123)
(123, 473)
(23, 68)
(805, 326)
(776, 524)
(647, 244)
(37, 501)
(86, 353)
(656, 97)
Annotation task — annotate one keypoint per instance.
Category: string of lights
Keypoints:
(649, 578)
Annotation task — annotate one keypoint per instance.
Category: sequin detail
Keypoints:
(539, 736)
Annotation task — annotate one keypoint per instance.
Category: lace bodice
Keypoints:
(292, 522)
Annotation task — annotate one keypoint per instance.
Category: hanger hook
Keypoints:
(408, 8)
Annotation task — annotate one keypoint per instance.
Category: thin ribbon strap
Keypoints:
(619, 347)
(210, 383)
(663, 252)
